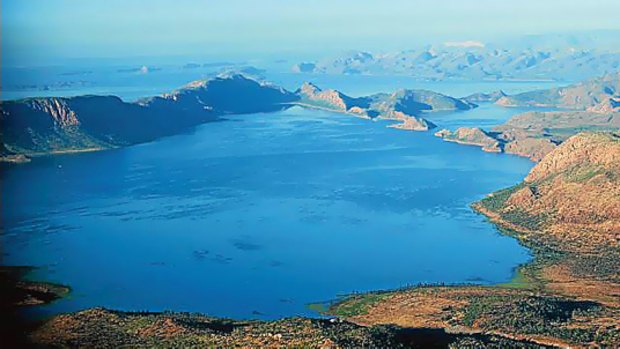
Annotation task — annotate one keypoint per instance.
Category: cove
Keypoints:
(259, 215)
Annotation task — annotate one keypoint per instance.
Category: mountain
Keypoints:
(599, 94)
(474, 62)
(404, 105)
(38, 126)
(485, 97)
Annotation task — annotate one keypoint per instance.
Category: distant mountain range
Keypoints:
(466, 61)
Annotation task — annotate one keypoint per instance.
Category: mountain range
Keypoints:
(472, 62)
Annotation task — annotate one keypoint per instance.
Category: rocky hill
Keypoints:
(573, 194)
(406, 106)
(596, 95)
(38, 126)
(471, 136)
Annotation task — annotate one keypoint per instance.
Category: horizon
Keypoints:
(39, 33)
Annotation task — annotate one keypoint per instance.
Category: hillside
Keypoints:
(38, 126)
(572, 195)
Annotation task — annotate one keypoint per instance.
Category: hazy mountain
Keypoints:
(473, 63)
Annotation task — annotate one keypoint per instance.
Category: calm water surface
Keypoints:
(259, 215)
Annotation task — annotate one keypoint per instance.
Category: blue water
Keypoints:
(259, 215)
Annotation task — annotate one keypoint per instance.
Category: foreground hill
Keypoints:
(572, 195)
(37, 126)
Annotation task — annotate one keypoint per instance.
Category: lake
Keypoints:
(259, 215)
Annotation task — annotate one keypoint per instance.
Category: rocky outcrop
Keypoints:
(471, 136)
(407, 106)
(37, 126)
(485, 97)
(312, 95)
(410, 123)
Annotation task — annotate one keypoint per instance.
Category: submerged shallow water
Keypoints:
(259, 215)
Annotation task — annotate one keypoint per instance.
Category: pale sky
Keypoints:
(47, 30)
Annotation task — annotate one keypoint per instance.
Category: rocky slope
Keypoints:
(573, 194)
(406, 106)
(37, 126)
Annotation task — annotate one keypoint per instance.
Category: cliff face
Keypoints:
(47, 125)
(572, 195)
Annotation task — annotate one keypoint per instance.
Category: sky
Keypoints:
(46, 31)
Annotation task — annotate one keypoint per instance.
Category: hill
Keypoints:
(38, 126)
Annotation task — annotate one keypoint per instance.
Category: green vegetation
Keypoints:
(583, 174)
(356, 305)
(495, 201)
(524, 219)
